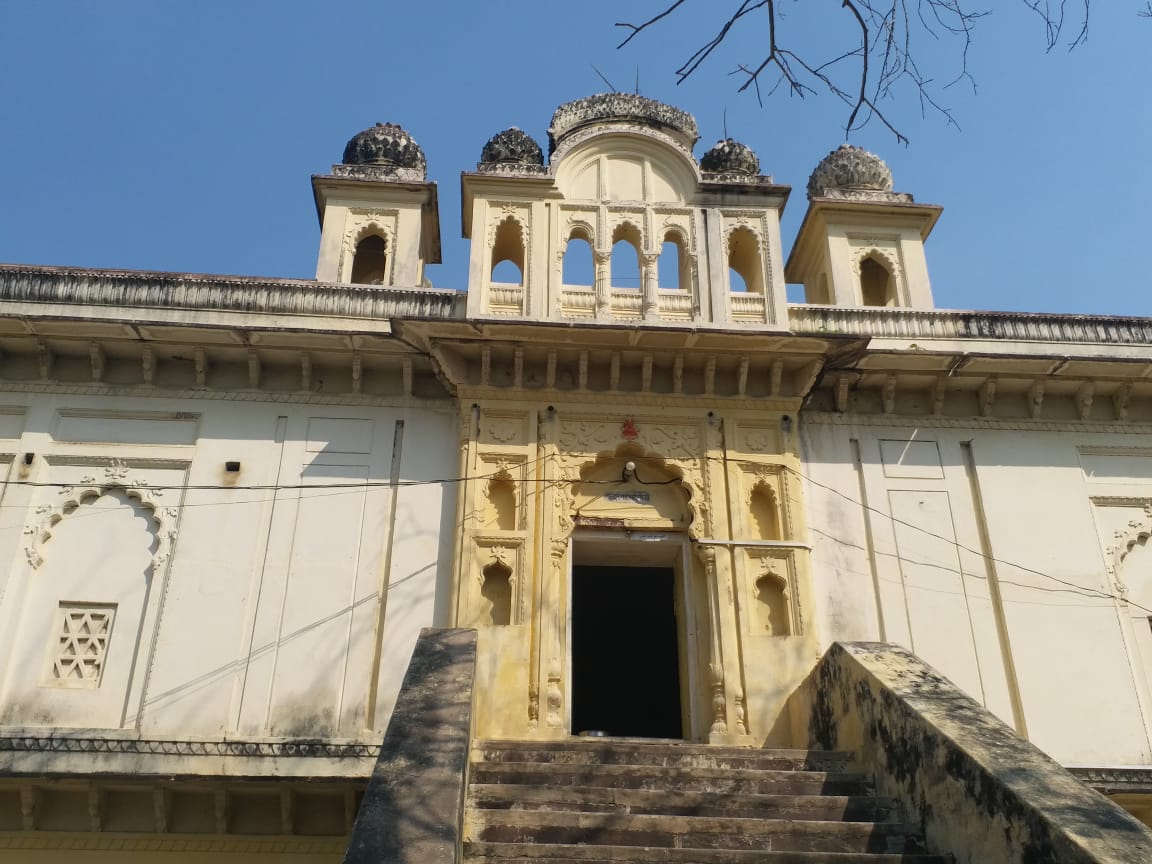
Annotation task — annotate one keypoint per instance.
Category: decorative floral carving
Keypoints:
(385, 144)
(512, 146)
(1124, 541)
(627, 107)
(117, 478)
(730, 157)
(850, 169)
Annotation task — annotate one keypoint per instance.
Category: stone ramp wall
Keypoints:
(977, 790)
(413, 809)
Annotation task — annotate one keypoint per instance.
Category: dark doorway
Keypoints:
(625, 657)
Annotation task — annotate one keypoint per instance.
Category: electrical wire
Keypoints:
(340, 488)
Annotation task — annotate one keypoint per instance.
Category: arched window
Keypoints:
(370, 264)
(508, 253)
(876, 287)
(578, 268)
(626, 257)
(673, 267)
(744, 262)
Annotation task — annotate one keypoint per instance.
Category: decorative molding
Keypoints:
(58, 741)
(135, 290)
(806, 319)
(1137, 531)
(1108, 780)
(936, 422)
(116, 478)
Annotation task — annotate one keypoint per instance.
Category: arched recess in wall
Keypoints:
(508, 253)
(674, 269)
(501, 503)
(94, 559)
(877, 284)
(765, 512)
(745, 262)
(578, 267)
(770, 607)
(496, 589)
(625, 266)
(370, 260)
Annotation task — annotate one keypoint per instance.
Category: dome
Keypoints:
(512, 147)
(850, 169)
(385, 144)
(623, 108)
(730, 157)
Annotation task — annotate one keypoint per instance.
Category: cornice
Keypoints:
(144, 289)
(1108, 780)
(624, 399)
(285, 748)
(936, 422)
(294, 397)
(807, 319)
(60, 840)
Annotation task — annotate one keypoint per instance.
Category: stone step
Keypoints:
(617, 752)
(610, 829)
(824, 808)
(732, 781)
(522, 853)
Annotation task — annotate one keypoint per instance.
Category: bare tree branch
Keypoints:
(882, 66)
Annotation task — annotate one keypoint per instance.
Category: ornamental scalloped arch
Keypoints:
(687, 472)
(1138, 532)
(883, 256)
(88, 490)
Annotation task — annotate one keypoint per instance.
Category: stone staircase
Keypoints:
(601, 800)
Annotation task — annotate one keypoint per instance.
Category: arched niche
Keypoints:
(877, 282)
(507, 253)
(771, 614)
(500, 503)
(764, 509)
(496, 593)
(370, 260)
(93, 557)
(745, 261)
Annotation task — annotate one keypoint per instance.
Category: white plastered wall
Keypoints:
(262, 613)
(911, 569)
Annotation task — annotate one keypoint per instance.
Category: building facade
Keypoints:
(657, 489)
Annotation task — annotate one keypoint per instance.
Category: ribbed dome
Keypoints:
(385, 144)
(512, 147)
(850, 169)
(730, 157)
(625, 108)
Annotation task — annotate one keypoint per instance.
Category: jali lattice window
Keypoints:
(81, 644)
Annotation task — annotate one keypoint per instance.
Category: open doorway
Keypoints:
(625, 652)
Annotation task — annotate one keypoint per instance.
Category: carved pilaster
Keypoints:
(650, 304)
(554, 693)
(603, 289)
(707, 556)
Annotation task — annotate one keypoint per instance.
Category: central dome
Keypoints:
(622, 108)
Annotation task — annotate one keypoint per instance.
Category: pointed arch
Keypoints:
(508, 249)
(745, 261)
(370, 258)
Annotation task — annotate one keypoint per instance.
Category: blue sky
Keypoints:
(165, 136)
